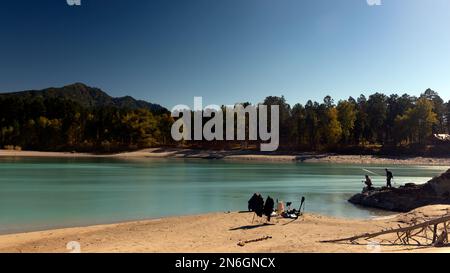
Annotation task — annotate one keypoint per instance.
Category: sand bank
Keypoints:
(220, 232)
(242, 156)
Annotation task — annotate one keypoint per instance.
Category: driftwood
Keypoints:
(243, 243)
(415, 234)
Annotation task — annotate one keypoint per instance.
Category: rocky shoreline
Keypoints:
(408, 197)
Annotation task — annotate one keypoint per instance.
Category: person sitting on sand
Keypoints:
(389, 177)
(368, 183)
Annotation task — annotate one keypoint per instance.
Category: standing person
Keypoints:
(389, 177)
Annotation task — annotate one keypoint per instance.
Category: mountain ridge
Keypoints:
(86, 96)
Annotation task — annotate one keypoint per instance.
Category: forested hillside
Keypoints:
(78, 117)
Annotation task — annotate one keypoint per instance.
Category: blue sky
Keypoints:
(227, 51)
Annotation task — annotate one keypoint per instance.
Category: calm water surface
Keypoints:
(48, 193)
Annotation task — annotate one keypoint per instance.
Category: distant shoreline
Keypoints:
(242, 156)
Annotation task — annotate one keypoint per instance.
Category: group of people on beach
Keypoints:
(389, 177)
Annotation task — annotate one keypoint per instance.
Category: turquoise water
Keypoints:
(48, 193)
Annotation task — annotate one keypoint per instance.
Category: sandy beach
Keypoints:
(242, 156)
(221, 232)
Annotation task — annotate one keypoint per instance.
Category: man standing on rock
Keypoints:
(389, 177)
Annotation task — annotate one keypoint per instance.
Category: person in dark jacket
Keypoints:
(268, 207)
(256, 204)
(389, 177)
(368, 183)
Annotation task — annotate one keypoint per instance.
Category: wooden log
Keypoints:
(446, 232)
(434, 233)
(243, 243)
(417, 233)
(433, 222)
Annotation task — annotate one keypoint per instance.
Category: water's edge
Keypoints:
(47, 193)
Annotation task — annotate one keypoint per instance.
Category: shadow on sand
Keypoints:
(251, 226)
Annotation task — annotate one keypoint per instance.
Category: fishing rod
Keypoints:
(368, 171)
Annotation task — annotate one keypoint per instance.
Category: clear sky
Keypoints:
(227, 51)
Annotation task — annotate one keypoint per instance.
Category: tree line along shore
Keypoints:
(56, 120)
